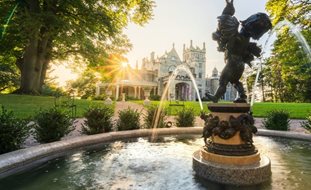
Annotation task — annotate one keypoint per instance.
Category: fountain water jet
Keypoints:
(8, 20)
(296, 32)
(179, 68)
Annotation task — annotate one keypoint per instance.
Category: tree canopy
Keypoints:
(288, 69)
(45, 30)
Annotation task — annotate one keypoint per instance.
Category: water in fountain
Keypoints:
(178, 69)
(138, 164)
(296, 32)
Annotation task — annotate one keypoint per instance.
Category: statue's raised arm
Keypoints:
(227, 26)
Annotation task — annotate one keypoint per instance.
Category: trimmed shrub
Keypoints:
(155, 97)
(307, 124)
(51, 125)
(185, 118)
(149, 118)
(128, 120)
(98, 120)
(49, 90)
(127, 98)
(13, 131)
(277, 120)
(99, 97)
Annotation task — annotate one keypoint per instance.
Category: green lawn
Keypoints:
(296, 110)
(25, 106)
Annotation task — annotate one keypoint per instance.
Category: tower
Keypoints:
(195, 58)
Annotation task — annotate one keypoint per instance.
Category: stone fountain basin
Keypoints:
(13, 162)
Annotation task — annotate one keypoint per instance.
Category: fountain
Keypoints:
(127, 160)
(230, 157)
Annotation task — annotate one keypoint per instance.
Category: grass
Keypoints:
(296, 110)
(25, 106)
(172, 110)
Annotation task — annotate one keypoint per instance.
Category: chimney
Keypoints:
(152, 56)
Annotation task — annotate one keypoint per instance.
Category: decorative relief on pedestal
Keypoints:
(244, 123)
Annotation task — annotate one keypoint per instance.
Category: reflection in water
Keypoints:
(166, 164)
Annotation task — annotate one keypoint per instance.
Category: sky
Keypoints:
(179, 21)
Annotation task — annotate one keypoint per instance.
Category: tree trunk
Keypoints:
(42, 61)
(28, 67)
(36, 56)
(34, 67)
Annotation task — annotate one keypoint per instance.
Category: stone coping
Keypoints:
(19, 160)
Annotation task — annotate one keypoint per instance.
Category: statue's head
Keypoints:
(256, 25)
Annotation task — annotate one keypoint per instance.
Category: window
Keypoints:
(200, 65)
(200, 75)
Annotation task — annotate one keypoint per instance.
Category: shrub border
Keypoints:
(23, 159)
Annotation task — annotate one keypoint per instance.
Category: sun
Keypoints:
(124, 64)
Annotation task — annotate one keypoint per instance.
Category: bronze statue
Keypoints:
(237, 47)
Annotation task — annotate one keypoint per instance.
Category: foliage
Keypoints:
(100, 97)
(41, 31)
(185, 118)
(150, 118)
(307, 124)
(128, 119)
(13, 131)
(288, 71)
(9, 75)
(155, 97)
(85, 85)
(49, 90)
(277, 120)
(98, 120)
(51, 125)
(127, 98)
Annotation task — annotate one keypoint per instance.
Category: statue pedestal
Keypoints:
(229, 156)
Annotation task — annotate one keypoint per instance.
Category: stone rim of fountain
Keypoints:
(24, 159)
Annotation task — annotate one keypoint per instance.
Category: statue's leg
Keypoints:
(242, 96)
(221, 90)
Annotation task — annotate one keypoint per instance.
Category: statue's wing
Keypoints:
(227, 26)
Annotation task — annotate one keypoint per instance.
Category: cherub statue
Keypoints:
(237, 47)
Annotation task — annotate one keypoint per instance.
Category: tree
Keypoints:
(43, 30)
(289, 66)
(85, 85)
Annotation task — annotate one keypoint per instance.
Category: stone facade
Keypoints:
(155, 71)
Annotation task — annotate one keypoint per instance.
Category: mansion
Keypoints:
(153, 77)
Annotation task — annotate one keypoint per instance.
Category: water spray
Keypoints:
(8, 20)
